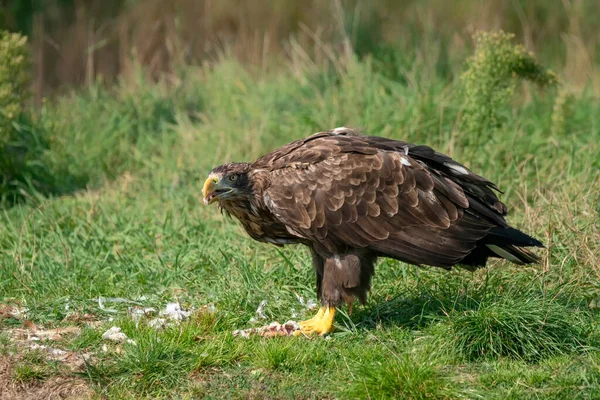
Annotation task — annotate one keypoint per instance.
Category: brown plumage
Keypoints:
(353, 198)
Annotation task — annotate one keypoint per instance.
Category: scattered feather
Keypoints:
(157, 323)
(308, 305)
(136, 312)
(311, 305)
(114, 334)
(101, 306)
(260, 312)
(174, 312)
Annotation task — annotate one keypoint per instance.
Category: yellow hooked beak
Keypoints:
(214, 187)
(208, 191)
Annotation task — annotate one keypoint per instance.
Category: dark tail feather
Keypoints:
(506, 243)
(513, 236)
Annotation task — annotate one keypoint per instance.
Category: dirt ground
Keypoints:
(52, 388)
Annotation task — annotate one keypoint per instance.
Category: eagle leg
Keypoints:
(321, 324)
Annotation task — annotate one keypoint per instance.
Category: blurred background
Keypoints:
(91, 91)
(76, 42)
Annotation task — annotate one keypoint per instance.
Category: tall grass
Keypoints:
(117, 130)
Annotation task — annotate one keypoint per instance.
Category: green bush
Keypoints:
(491, 78)
(15, 79)
(20, 148)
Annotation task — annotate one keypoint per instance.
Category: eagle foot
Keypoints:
(321, 324)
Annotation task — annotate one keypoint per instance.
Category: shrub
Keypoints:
(15, 79)
(491, 77)
(20, 147)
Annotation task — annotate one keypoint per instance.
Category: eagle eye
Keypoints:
(232, 177)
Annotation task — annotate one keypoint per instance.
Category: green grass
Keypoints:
(516, 327)
(130, 162)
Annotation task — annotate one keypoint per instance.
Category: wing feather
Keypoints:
(339, 191)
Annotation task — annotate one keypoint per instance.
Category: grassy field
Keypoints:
(124, 233)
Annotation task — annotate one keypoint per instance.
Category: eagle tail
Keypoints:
(517, 255)
(507, 243)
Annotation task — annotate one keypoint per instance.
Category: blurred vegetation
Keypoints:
(137, 61)
(75, 42)
(118, 127)
(14, 80)
(18, 154)
(491, 78)
(115, 130)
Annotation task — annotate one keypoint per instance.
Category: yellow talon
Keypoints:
(322, 323)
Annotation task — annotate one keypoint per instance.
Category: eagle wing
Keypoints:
(345, 191)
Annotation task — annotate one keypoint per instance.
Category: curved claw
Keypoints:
(321, 324)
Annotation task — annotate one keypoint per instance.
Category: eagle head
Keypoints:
(227, 183)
